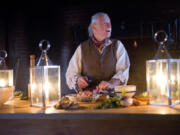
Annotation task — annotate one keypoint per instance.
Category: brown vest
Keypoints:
(96, 66)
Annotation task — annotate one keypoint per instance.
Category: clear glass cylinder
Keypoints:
(45, 85)
(6, 78)
(162, 77)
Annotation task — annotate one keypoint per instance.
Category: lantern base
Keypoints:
(170, 105)
(44, 106)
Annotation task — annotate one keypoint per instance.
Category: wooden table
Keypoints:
(18, 118)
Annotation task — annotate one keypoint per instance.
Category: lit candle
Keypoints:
(161, 81)
(2, 83)
(172, 79)
(33, 86)
(47, 86)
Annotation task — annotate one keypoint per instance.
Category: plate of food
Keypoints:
(85, 96)
(66, 103)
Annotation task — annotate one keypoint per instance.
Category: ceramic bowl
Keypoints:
(128, 90)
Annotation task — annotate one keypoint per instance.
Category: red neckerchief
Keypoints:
(97, 43)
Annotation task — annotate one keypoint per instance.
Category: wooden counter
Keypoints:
(17, 117)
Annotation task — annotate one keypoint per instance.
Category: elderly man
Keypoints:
(100, 62)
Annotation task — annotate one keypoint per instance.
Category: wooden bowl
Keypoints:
(5, 94)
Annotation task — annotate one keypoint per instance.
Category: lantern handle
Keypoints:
(3, 54)
(43, 47)
(161, 37)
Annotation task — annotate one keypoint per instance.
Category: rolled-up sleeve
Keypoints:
(123, 64)
(74, 69)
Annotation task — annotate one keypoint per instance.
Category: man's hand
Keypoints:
(104, 85)
(82, 82)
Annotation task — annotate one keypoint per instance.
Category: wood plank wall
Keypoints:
(65, 27)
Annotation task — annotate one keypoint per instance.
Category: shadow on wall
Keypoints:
(139, 51)
(66, 51)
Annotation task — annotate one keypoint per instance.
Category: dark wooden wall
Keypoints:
(22, 26)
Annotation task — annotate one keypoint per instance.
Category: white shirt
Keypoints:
(122, 66)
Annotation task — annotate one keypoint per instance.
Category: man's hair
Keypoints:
(93, 20)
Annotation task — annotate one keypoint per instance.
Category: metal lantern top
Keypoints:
(161, 38)
(44, 46)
